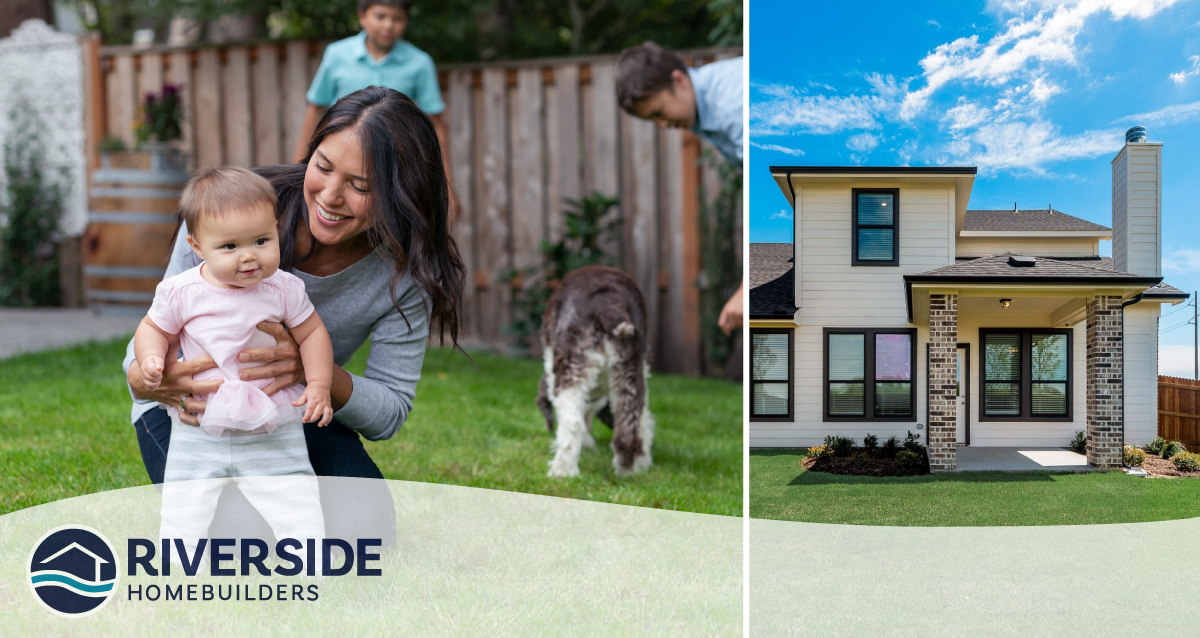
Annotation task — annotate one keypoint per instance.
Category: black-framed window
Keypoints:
(771, 376)
(875, 232)
(1026, 374)
(869, 374)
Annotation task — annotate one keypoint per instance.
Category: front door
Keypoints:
(962, 400)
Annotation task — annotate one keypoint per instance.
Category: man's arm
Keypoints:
(444, 141)
(311, 117)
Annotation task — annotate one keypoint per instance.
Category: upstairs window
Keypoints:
(875, 236)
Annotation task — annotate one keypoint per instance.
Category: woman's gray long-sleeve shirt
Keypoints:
(354, 304)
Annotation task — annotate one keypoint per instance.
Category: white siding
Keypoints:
(1137, 199)
(1141, 372)
(1036, 246)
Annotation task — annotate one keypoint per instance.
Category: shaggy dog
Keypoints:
(594, 346)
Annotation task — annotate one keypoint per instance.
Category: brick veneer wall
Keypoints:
(943, 372)
(1105, 373)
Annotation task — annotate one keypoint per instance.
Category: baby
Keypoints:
(214, 309)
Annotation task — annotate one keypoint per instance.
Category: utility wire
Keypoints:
(1183, 307)
(1186, 323)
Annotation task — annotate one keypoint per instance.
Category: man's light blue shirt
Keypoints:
(347, 67)
(718, 89)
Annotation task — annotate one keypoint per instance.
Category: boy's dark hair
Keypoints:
(406, 5)
(643, 71)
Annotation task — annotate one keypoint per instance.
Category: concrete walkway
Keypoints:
(1016, 459)
(31, 330)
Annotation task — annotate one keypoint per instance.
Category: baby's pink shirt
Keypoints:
(222, 322)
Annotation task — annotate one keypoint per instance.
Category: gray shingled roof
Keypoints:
(997, 267)
(1045, 219)
(772, 288)
(1162, 289)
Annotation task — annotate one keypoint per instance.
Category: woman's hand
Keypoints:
(282, 361)
(177, 384)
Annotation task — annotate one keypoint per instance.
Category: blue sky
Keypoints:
(1035, 93)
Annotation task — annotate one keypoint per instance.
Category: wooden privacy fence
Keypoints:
(1179, 411)
(524, 137)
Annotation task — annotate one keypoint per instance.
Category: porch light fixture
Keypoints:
(1005, 302)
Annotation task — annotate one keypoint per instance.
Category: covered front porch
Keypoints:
(1020, 459)
(1022, 353)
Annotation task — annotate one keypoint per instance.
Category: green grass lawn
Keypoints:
(780, 489)
(65, 431)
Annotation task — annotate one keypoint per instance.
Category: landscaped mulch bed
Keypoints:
(1158, 467)
(875, 466)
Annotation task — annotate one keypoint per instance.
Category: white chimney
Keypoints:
(1137, 205)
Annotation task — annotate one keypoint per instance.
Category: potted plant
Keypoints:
(158, 128)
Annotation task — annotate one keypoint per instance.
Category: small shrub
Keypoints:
(841, 445)
(890, 447)
(1156, 446)
(908, 459)
(912, 443)
(818, 451)
(1134, 457)
(1172, 449)
(1186, 462)
(870, 443)
(859, 459)
(1079, 443)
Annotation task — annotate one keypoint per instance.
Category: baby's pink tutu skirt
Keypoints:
(238, 407)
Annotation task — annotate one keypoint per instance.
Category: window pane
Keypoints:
(846, 399)
(875, 244)
(892, 399)
(770, 399)
(1002, 357)
(1002, 399)
(876, 208)
(1049, 357)
(893, 357)
(770, 357)
(1049, 399)
(846, 357)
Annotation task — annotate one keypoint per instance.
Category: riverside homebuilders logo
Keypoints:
(73, 571)
(73, 568)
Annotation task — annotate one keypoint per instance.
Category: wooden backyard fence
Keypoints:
(1179, 411)
(524, 137)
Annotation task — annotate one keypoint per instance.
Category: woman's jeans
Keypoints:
(353, 509)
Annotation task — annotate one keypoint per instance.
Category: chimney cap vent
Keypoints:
(1135, 135)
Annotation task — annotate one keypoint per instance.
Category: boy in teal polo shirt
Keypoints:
(655, 84)
(378, 56)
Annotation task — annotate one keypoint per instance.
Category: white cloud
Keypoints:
(782, 214)
(863, 142)
(789, 110)
(934, 23)
(1027, 44)
(966, 115)
(1174, 114)
(1028, 146)
(1041, 90)
(1176, 361)
(778, 148)
(1182, 77)
(1182, 261)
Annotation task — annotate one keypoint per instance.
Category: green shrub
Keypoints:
(29, 236)
(841, 445)
(1134, 457)
(908, 459)
(859, 459)
(1173, 448)
(890, 447)
(912, 443)
(817, 451)
(1156, 446)
(1079, 443)
(1187, 462)
(870, 443)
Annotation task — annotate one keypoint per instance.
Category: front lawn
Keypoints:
(64, 421)
(780, 489)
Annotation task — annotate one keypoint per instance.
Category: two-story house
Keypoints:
(898, 308)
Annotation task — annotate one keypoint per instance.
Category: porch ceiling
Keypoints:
(1059, 305)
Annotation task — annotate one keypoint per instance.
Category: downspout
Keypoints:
(1124, 304)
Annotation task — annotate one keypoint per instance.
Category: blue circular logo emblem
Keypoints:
(73, 571)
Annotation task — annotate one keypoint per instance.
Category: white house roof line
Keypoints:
(69, 547)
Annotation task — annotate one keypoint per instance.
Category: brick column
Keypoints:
(1105, 373)
(942, 419)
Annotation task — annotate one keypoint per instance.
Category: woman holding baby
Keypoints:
(363, 223)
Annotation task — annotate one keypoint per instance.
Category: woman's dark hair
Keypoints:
(408, 204)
